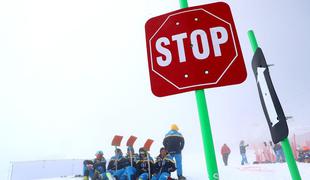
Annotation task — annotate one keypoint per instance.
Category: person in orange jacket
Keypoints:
(225, 151)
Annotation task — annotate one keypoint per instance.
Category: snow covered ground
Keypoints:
(253, 172)
(195, 169)
(276, 171)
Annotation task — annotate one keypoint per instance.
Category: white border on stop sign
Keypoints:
(197, 85)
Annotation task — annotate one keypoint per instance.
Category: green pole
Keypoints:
(205, 126)
(285, 143)
(292, 166)
(183, 3)
(206, 135)
(253, 41)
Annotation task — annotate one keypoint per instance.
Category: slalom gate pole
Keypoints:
(290, 159)
(205, 126)
(285, 143)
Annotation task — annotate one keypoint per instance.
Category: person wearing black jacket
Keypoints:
(174, 144)
(164, 165)
(118, 165)
(131, 155)
(144, 165)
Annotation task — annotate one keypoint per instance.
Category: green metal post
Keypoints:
(253, 41)
(289, 156)
(285, 143)
(183, 3)
(206, 135)
(205, 127)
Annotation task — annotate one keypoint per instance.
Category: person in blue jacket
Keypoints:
(242, 148)
(144, 165)
(164, 165)
(130, 171)
(95, 169)
(174, 144)
(131, 155)
(118, 165)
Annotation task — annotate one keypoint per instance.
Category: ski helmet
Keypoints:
(99, 153)
(174, 127)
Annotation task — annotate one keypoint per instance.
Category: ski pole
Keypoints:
(285, 142)
(205, 126)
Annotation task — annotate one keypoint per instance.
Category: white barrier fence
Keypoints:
(30, 170)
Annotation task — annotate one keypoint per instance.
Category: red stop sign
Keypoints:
(193, 48)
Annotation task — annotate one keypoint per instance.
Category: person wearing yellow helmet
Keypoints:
(174, 144)
(174, 127)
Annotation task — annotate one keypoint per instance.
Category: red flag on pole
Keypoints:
(148, 144)
(117, 140)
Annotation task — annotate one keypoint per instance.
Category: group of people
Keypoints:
(225, 151)
(139, 166)
(303, 154)
(266, 153)
(269, 153)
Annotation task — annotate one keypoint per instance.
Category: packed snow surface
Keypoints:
(275, 171)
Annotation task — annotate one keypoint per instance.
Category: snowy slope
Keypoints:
(253, 172)
(193, 167)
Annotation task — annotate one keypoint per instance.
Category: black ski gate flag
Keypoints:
(271, 105)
